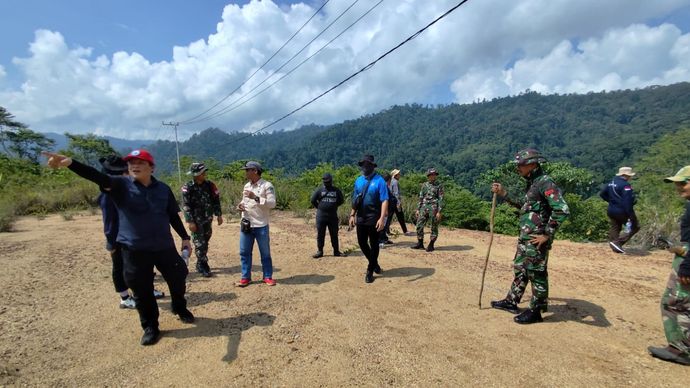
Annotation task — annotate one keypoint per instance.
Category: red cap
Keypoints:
(140, 154)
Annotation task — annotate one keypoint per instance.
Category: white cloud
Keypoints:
(483, 50)
(631, 57)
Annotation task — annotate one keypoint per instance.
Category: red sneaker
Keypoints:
(243, 282)
(270, 281)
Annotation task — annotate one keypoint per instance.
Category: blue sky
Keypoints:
(150, 27)
(118, 68)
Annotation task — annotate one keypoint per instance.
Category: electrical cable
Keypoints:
(232, 106)
(365, 68)
(261, 67)
(281, 66)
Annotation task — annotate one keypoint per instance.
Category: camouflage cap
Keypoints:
(431, 171)
(528, 156)
(683, 175)
(197, 169)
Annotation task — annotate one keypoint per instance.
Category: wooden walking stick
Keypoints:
(488, 251)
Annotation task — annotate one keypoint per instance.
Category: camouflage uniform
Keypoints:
(430, 203)
(542, 211)
(200, 202)
(675, 309)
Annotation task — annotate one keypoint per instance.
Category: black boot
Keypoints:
(420, 244)
(369, 277)
(505, 304)
(430, 248)
(529, 316)
(203, 268)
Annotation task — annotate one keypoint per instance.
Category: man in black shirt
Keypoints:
(326, 200)
(146, 209)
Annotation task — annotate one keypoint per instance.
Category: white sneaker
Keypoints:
(158, 294)
(615, 247)
(128, 303)
(382, 245)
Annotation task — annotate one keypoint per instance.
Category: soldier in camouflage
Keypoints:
(675, 303)
(200, 202)
(542, 211)
(429, 208)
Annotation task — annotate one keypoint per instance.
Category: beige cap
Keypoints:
(395, 172)
(627, 171)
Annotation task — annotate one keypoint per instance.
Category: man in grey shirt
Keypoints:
(395, 190)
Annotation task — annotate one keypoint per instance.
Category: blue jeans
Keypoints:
(247, 246)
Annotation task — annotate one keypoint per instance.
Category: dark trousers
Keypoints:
(401, 219)
(138, 273)
(616, 222)
(383, 235)
(331, 222)
(118, 276)
(368, 239)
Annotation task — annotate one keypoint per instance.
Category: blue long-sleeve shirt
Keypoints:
(145, 213)
(620, 196)
(111, 221)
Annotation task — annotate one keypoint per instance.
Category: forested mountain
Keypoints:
(596, 131)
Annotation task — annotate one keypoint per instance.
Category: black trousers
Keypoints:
(401, 219)
(331, 222)
(138, 273)
(616, 222)
(118, 276)
(368, 239)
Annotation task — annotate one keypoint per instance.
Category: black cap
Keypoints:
(327, 177)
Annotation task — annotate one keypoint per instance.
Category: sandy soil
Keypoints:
(418, 324)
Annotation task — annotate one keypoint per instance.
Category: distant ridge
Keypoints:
(596, 131)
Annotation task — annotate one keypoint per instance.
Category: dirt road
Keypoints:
(418, 324)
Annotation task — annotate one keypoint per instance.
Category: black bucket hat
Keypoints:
(113, 165)
(367, 159)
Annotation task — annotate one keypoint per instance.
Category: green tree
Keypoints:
(659, 206)
(570, 179)
(19, 141)
(88, 148)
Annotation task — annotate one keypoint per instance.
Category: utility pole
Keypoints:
(177, 148)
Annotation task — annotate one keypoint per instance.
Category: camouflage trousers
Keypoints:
(200, 238)
(529, 265)
(675, 310)
(426, 213)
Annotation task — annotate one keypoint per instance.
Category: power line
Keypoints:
(232, 106)
(276, 70)
(365, 68)
(261, 67)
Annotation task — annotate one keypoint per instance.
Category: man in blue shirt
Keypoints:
(621, 198)
(146, 210)
(369, 213)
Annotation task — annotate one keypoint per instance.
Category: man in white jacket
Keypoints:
(258, 198)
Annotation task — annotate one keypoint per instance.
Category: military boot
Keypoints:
(420, 244)
(203, 268)
(529, 316)
(430, 248)
(506, 305)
